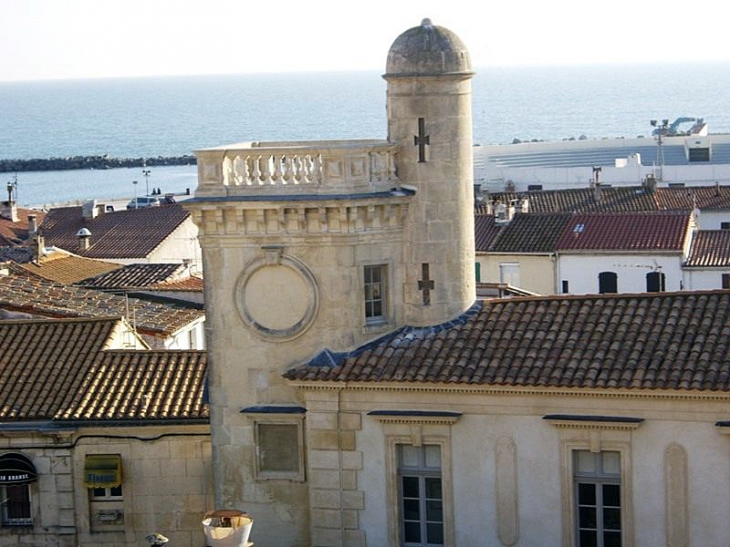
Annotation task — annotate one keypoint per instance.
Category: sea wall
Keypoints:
(90, 162)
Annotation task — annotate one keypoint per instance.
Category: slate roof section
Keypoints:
(710, 248)
(645, 232)
(14, 233)
(135, 276)
(485, 230)
(687, 198)
(60, 370)
(666, 341)
(26, 294)
(614, 199)
(126, 234)
(66, 268)
(531, 233)
(19, 255)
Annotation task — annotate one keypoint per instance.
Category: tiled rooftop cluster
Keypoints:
(618, 199)
(551, 232)
(60, 370)
(136, 276)
(65, 268)
(15, 233)
(118, 234)
(667, 341)
(23, 293)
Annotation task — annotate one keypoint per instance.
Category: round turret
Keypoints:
(427, 50)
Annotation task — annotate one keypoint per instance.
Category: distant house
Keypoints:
(708, 263)
(168, 281)
(162, 325)
(101, 440)
(626, 253)
(522, 253)
(163, 234)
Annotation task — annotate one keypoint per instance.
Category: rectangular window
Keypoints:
(106, 494)
(279, 449)
(420, 495)
(726, 281)
(375, 293)
(509, 273)
(725, 226)
(16, 505)
(565, 286)
(597, 491)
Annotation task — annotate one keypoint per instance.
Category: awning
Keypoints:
(103, 471)
(16, 469)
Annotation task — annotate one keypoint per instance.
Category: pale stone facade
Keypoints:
(167, 486)
(317, 249)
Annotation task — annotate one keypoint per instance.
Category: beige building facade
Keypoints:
(360, 395)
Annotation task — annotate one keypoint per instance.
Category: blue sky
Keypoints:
(59, 39)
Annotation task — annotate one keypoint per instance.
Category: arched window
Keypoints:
(655, 282)
(17, 472)
(607, 282)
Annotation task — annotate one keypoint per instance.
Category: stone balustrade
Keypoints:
(281, 168)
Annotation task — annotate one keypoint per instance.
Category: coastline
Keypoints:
(90, 162)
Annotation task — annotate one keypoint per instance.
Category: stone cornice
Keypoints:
(512, 391)
(323, 217)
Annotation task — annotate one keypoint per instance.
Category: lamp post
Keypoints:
(134, 182)
(660, 131)
(146, 174)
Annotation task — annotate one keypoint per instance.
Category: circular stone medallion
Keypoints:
(279, 301)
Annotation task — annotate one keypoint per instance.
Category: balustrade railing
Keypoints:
(299, 167)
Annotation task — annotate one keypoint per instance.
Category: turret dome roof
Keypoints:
(427, 50)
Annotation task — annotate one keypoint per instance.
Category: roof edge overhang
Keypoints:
(470, 389)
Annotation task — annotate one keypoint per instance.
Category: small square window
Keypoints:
(279, 448)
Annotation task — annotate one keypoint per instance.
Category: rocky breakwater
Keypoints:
(90, 162)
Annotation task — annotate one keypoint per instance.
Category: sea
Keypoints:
(171, 116)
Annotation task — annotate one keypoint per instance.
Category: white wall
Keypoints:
(581, 271)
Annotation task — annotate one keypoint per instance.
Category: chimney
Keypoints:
(32, 225)
(84, 236)
(597, 193)
(649, 183)
(90, 210)
(40, 244)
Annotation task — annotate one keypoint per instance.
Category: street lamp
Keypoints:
(146, 173)
(134, 182)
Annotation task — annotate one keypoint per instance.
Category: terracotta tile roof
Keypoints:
(135, 276)
(583, 200)
(60, 370)
(710, 248)
(626, 232)
(189, 284)
(687, 198)
(66, 268)
(26, 294)
(531, 233)
(13, 233)
(485, 230)
(118, 234)
(669, 341)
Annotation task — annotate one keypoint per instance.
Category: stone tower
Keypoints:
(429, 118)
(315, 248)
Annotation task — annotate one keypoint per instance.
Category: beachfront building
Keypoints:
(102, 441)
(361, 395)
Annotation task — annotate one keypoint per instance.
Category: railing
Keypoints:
(321, 167)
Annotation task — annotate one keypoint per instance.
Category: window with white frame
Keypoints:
(597, 498)
(420, 495)
(375, 292)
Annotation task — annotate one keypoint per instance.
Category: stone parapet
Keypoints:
(276, 168)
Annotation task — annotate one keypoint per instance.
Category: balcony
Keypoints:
(323, 168)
